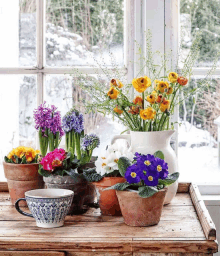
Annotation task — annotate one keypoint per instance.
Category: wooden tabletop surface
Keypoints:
(183, 228)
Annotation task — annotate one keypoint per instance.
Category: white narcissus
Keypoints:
(108, 162)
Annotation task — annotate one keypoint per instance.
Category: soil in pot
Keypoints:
(84, 192)
(22, 178)
(141, 212)
(108, 201)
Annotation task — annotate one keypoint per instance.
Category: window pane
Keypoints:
(201, 16)
(17, 102)
(79, 31)
(198, 149)
(63, 92)
(18, 29)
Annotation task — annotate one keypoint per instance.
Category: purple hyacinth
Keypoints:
(48, 118)
(73, 120)
(90, 142)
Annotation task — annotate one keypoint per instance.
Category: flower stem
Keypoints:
(78, 149)
(143, 108)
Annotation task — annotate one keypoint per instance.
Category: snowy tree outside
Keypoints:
(73, 40)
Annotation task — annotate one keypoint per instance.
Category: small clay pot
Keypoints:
(22, 178)
(108, 201)
(138, 211)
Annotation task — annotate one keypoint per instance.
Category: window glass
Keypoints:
(83, 33)
(17, 102)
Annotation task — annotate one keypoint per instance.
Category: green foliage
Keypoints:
(147, 191)
(170, 179)
(119, 186)
(91, 175)
(43, 172)
(123, 164)
(22, 160)
(159, 154)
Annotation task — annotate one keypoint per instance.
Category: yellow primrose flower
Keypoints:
(169, 91)
(113, 93)
(141, 84)
(117, 110)
(173, 77)
(148, 113)
(151, 98)
(162, 86)
(116, 82)
(165, 105)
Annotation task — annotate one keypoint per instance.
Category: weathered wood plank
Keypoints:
(109, 245)
(3, 187)
(203, 214)
(170, 254)
(99, 253)
(207, 246)
(165, 229)
(183, 187)
(31, 253)
(181, 213)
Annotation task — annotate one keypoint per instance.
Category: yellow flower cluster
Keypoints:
(21, 151)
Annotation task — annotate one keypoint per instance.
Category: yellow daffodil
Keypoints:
(172, 77)
(165, 105)
(162, 86)
(148, 113)
(138, 100)
(141, 84)
(113, 93)
(117, 110)
(151, 98)
(169, 91)
(116, 82)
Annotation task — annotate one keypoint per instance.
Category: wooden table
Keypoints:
(185, 228)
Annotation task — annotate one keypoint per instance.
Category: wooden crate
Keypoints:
(185, 228)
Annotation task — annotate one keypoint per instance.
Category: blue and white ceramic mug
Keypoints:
(49, 207)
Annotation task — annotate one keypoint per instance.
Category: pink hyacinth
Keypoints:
(53, 159)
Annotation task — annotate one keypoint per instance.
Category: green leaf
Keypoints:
(170, 179)
(119, 186)
(146, 191)
(72, 173)
(92, 177)
(23, 160)
(123, 164)
(17, 160)
(44, 173)
(159, 154)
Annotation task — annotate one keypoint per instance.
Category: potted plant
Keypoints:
(106, 175)
(141, 196)
(21, 171)
(60, 170)
(48, 124)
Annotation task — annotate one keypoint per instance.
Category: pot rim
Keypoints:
(174, 130)
(100, 182)
(136, 191)
(19, 164)
(71, 193)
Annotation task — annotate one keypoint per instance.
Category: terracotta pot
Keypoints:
(108, 201)
(84, 192)
(22, 178)
(141, 212)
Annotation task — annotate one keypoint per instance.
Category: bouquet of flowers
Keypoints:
(48, 124)
(146, 173)
(22, 155)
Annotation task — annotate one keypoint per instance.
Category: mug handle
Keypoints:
(19, 210)
(122, 136)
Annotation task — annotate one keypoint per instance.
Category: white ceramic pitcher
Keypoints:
(149, 143)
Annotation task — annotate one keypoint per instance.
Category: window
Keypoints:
(44, 42)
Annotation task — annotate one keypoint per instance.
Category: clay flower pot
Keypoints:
(22, 178)
(138, 211)
(108, 201)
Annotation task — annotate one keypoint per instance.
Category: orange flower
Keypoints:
(138, 100)
(159, 98)
(134, 110)
(165, 105)
(170, 91)
(148, 113)
(113, 93)
(117, 110)
(151, 98)
(141, 84)
(182, 80)
(116, 82)
(162, 86)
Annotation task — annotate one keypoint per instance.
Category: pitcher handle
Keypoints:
(122, 136)
(19, 210)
